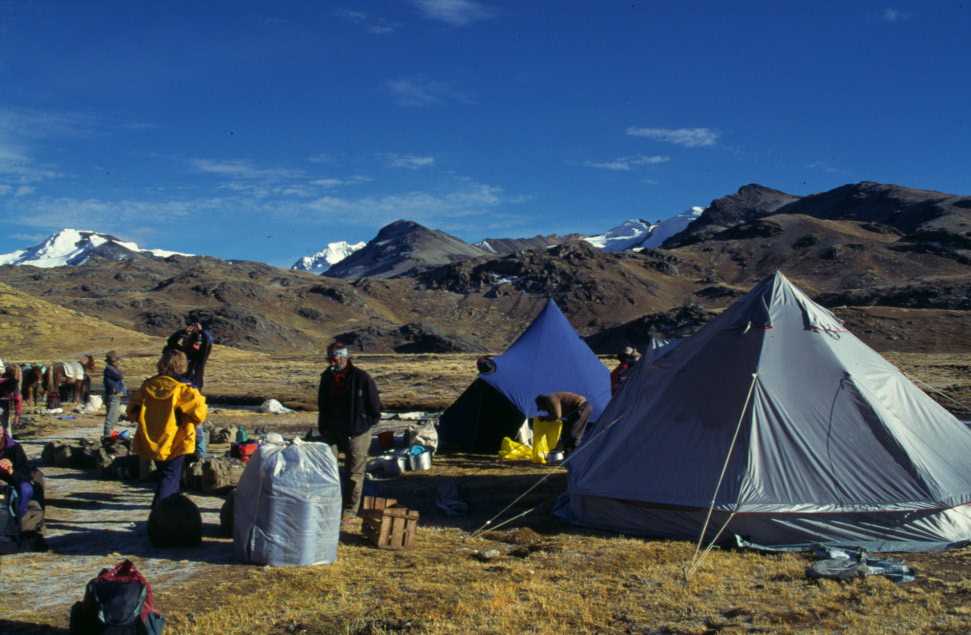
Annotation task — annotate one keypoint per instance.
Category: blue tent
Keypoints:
(549, 356)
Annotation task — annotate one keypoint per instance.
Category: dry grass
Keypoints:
(549, 578)
(34, 329)
(937, 374)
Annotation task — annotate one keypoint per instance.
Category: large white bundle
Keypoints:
(93, 405)
(288, 506)
(272, 406)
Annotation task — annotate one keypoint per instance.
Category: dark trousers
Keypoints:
(574, 425)
(25, 493)
(355, 451)
(169, 478)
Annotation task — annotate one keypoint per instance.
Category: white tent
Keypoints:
(822, 440)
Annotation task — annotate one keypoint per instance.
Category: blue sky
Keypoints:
(247, 130)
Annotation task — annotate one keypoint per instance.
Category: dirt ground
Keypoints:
(547, 577)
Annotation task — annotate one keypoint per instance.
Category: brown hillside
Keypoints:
(32, 328)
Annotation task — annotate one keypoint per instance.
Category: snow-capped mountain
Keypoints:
(327, 257)
(637, 233)
(75, 246)
(625, 236)
(668, 227)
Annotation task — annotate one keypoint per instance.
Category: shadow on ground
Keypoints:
(15, 627)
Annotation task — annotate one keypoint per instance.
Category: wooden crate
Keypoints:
(376, 502)
(391, 527)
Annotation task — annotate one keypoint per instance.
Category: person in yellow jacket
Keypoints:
(167, 411)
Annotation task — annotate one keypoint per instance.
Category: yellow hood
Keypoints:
(167, 412)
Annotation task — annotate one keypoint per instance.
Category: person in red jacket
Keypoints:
(628, 359)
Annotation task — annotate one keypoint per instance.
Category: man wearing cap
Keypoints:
(348, 406)
(628, 358)
(114, 382)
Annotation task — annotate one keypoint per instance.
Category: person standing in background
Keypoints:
(114, 383)
(348, 406)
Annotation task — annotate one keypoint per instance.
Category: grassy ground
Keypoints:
(548, 577)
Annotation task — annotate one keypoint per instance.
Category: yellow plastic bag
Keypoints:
(510, 450)
(546, 434)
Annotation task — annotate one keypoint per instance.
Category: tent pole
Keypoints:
(695, 560)
(537, 484)
(954, 401)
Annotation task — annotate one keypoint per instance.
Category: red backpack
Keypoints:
(118, 601)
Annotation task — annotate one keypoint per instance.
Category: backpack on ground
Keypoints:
(175, 522)
(117, 602)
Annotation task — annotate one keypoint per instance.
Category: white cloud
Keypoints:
(17, 167)
(460, 204)
(454, 12)
(51, 213)
(687, 137)
(32, 238)
(418, 92)
(323, 157)
(375, 25)
(330, 183)
(351, 15)
(23, 132)
(895, 15)
(626, 164)
(408, 161)
(38, 124)
(243, 169)
(827, 167)
(472, 199)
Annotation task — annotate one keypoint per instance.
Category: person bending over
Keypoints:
(573, 410)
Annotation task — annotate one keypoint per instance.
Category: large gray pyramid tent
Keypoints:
(834, 444)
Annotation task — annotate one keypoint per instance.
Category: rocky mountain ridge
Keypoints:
(477, 301)
(403, 247)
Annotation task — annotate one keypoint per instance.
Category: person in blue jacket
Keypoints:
(114, 381)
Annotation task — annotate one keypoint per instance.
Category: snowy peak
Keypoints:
(641, 234)
(72, 247)
(327, 257)
(627, 235)
(669, 227)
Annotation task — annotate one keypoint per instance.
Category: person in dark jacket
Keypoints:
(114, 381)
(196, 342)
(348, 406)
(15, 471)
(10, 398)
